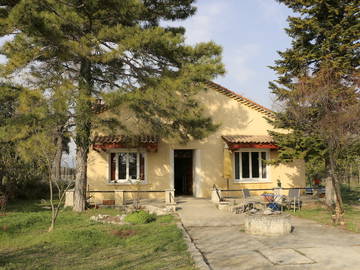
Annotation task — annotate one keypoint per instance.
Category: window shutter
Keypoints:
(237, 165)
(142, 167)
(112, 166)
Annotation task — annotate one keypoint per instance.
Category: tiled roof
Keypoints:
(100, 107)
(261, 139)
(240, 98)
(125, 139)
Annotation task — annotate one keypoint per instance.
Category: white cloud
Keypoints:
(238, 62)
(202, 26)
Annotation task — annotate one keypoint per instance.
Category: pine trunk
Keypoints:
(80, 180)
(83, 131)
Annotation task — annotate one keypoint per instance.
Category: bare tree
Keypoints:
(327, 106)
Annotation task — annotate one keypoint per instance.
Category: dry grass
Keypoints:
(317, 211)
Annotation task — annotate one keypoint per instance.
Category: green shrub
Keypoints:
(140, 217)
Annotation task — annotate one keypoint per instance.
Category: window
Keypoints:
(125, 166)
(249, 165)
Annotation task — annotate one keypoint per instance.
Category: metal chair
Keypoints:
(250, 201)
(293, 199)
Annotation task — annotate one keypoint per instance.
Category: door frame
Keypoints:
(195, 167)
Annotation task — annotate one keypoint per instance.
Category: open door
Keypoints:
(183, 172)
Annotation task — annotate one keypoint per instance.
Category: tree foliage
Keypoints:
(16, 172)
(115, 50)
(317, 84)
(321, 31)
(324, 34)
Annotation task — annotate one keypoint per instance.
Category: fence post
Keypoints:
(215, 195)
(119, 197)
(170, 196)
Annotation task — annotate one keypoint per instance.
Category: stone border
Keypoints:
(196, 255)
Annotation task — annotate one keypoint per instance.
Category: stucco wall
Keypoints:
(235, 119)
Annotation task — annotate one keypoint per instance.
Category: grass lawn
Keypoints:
(319, 212)
(78, 243)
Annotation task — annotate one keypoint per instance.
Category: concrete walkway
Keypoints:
(220, 238)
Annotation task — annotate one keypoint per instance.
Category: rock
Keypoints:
(224, 206)
(100, 216)
(159, 211)
(253, 211)
(267, 211)
(130, 209)
(118, 220)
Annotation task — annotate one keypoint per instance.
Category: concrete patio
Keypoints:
(220, 238)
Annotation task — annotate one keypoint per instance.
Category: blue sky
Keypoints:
(250, 32)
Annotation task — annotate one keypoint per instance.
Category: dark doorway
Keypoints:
(183, 172)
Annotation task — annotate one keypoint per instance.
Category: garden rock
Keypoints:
(119, 219)
(253, 211)
(267, 212)
(159, 211)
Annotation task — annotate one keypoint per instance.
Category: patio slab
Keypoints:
(221, 239)
(285, 256)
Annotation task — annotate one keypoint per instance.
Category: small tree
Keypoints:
(15, 172)
(326, 108)
(36, 131)
(42, 148)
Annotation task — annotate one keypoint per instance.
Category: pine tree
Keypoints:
(322, 31)
(325, 37)
(116, 50)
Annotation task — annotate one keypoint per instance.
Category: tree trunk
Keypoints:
(56, 165)
(80, 180)
(329, 193)
(55, 175)
(350, 176)
(339, 210)
(83, 129)
(329, 190)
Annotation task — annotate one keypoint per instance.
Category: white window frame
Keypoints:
(127, 180)
(251, 179)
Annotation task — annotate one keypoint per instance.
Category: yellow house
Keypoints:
(231, 158)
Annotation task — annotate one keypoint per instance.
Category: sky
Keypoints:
(250, 33)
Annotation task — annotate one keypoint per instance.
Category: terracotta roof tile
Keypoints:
(125, 139)
(240, 98)
(261, 139)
